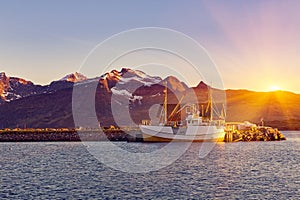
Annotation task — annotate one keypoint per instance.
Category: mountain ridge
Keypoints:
(51, 105)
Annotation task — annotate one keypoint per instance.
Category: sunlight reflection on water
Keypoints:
(252, 170)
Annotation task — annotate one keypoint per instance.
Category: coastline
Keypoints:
(73, 135)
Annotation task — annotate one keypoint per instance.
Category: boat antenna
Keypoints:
(209, 107)
(211, 102)
(166, 103)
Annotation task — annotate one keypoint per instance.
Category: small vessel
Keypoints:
(195, 128)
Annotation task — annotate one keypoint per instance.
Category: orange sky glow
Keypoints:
(255, 44)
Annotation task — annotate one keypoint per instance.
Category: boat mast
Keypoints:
(166, 104)
(175, 109)
(210, 104)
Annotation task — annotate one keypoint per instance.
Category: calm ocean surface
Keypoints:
(255, 170)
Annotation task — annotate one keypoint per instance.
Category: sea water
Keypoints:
(64, 170)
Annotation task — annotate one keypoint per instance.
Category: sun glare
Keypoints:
(274, 88)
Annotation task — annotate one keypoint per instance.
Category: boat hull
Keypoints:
(169, 134)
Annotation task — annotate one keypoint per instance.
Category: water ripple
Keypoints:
(257, 170)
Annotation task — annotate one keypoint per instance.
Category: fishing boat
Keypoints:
(195, 128)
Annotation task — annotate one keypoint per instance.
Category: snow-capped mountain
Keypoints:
(133, 90)
(12, 88)
(127, 79)
(123, 84)
(74, 77)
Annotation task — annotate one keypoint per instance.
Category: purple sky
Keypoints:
(255, 44)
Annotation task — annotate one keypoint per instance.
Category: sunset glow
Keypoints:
(252, 43)
(170, 99)
(274, 88)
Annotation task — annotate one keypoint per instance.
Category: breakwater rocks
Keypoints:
(254, 134)
(61, 135)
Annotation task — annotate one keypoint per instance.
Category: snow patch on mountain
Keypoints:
(74, 78)
(139, 76)
(12, 88)
(126, 94)
(127, 79)
(144, 81)
(121, 92)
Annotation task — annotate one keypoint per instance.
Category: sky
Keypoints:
(254, 44)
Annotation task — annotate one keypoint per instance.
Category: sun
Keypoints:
(274, 88)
